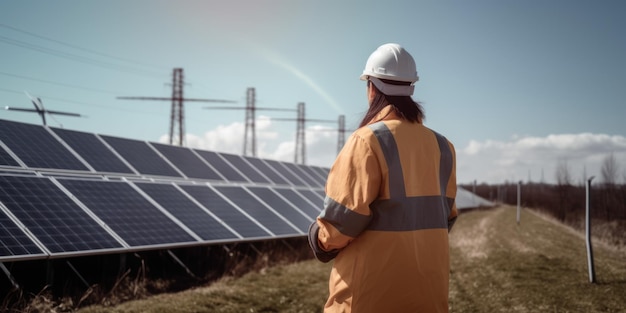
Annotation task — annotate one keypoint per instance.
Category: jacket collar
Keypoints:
(385, 114)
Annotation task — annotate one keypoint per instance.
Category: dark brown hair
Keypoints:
(403, 106)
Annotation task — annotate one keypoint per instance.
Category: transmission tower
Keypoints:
(341, 133)
(300, 149)
(249, 142)
(177, 114)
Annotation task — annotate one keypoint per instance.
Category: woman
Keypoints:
(389, 201)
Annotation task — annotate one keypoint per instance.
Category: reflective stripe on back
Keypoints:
(402, 213)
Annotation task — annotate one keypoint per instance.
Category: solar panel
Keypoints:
(229, 172)
(51, 216)
(37, 148)
(79, 208)
(128, 213)
(224, 210)
(244, 167)
(187, 162)
(315, 198)
(257, 210)
(284, 172)
(280, 205)
(186, 211)
(267, 171)
(323, 172)
(13, 241)
(300, 202)
(92, 150)
(301, 174)
(141, 156)
(318, 180)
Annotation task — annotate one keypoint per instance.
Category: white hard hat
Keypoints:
(391, 61)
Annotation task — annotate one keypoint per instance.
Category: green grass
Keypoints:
(496, 266)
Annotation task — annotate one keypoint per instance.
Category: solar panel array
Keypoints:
(66, 193)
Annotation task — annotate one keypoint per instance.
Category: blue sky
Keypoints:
(518, 86)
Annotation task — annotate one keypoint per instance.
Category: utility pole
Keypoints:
(177, 114)
(39, 109)
(249, 142)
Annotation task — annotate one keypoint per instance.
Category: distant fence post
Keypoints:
(592, 273)
(519, 200)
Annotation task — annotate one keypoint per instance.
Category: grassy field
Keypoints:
(497, 266)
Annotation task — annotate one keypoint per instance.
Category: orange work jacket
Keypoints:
(389, 207)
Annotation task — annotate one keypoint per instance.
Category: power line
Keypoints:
(77, 58)
(59, 84)
(80, 48)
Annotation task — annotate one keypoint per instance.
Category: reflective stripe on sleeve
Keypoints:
(343, 219)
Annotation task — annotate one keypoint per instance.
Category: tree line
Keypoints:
(566, 199)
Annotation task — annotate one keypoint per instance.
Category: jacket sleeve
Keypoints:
(451, 191)
(353, 183)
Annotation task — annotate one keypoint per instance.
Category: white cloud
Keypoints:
(271, 143)
(535, 158)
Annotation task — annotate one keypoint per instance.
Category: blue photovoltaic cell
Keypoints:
(186, 211)
(36, 147)
(299, 202)
(282, 207)
(13, 241)
(267, 171)
(301, 174)
(312, 196)
(321, 171)
(319, 181)
(285, 173)
(226, 212)
(257, 210)
(92, 150)
(186, 161)
(221, 166)
(51, 216)
(6, 159)
(244, 167)
(141, 156)
(127, 212)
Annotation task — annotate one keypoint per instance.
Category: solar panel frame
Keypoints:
(258, 210)
(286, 173)
(142, 157)
(128, 213)
(282, 206)
(52, 217)
(239, 220)
(298, 200)
(320, 181)
(222, 166)
(268, 171)
(296, 170)
(245, 168)
(15, 243)
(6, 158)
(198, 219)
(43, 149)
(94, 151)
(188, 162)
